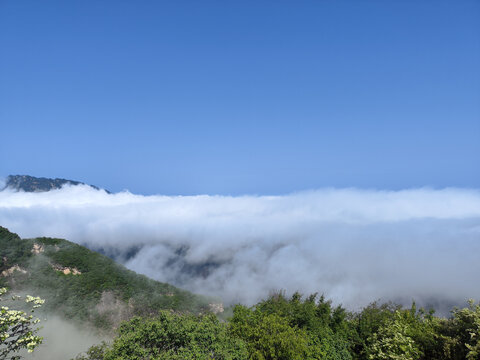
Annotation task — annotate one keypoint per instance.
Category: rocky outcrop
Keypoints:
(66, 270)
(38, 248)
(10, 271)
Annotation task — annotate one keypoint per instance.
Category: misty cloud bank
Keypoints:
(354, 246)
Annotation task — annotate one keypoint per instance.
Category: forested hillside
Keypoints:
(83, 285)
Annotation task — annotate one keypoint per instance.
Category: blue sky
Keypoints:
(246, 97)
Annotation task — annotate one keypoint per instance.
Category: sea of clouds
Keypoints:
(352, 245)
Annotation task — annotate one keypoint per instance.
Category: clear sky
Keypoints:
(241, 97)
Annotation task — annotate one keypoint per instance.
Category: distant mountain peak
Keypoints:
(29, 183)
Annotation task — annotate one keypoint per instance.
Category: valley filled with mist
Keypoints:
(352, 245)
(241, 275)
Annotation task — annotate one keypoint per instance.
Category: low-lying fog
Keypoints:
(353, 245)
(62, 339)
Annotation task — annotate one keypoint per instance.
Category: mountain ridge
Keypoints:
(29, 183)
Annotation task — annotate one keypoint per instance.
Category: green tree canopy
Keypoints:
(175, 336)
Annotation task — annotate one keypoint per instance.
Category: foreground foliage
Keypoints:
(300, 328)
(281, 328)
(17, 329)
(174, 336)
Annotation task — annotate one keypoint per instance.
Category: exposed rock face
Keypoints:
(73, 271)
(38, 248)
(66, 270)
(10, 271)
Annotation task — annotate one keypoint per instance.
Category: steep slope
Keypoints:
(39, 184)
(83, 285)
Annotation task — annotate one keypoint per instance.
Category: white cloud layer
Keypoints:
(355, 246)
